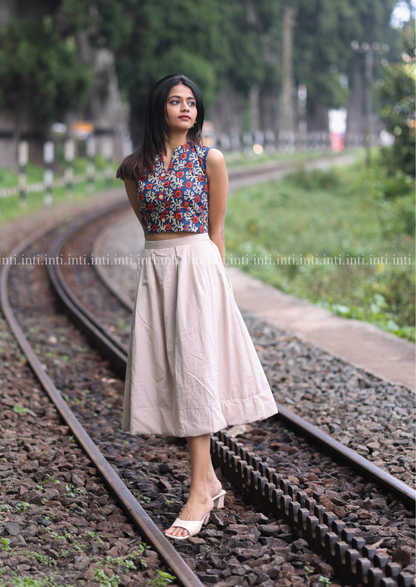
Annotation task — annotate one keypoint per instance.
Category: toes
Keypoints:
(177, 531)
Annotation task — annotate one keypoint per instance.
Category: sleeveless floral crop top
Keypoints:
(177, 199)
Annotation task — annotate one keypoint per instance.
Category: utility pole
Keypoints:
(369, 51)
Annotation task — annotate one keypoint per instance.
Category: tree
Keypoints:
(397, 96)
(40, 72)
(323, 38)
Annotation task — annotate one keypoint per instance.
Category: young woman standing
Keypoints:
(192, 368)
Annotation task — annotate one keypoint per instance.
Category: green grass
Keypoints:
(345, 214)
(238, 160)
(11, 206)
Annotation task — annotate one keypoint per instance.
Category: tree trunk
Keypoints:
(287, 115)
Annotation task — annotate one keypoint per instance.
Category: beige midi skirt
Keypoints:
(192, 368)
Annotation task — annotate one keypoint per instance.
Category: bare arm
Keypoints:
(218, 190)
(131, 189)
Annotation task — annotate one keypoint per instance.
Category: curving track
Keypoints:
(268, 490)
(275, 495)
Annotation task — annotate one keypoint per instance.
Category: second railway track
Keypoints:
(292, 500)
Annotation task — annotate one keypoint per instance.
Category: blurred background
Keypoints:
(269, 70)
(281, 81)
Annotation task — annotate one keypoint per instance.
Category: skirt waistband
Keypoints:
(171, 243)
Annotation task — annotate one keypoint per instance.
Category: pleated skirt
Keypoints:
(192, 368)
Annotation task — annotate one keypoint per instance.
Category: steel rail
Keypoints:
(103, 274)
(354, 562)
(129, 504)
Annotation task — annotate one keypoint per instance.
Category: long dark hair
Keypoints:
(155, 128)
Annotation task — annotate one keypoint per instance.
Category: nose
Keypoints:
(185, 106)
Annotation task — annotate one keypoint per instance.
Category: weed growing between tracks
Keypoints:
(342, 238)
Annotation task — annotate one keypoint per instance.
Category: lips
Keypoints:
(184, 117)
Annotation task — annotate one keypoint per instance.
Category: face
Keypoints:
(181, 109)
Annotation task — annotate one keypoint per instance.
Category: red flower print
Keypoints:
(186, 205)
(197, 198)
(141, 196)
(167, 204)
(178, 193)
(163, 216)
(202, 207)
(195, 220)
(201, 229)
(205, 188)
(170, 165)
(183, 156)
(186, 146)
(178, 216)
(153, 167)
(150, 206)
(142, 177)
(188, 184)
(179, 174)
(166, 183)
(168, 226)
(149, 186)
(201, 177)
(160, 196)
(190, 164)
(154, 228)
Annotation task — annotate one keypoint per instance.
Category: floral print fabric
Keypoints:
(177, 199)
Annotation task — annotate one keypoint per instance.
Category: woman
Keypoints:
(192, 368)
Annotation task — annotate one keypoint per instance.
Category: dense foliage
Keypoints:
(397, 95)
(323, 50)
(39, 69)
(217, 43)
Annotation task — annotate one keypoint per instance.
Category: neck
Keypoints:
(176, 139)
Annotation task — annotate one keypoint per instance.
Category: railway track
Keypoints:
(271, 492)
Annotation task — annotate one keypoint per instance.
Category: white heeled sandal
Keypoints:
(192, 527)
(195, 527)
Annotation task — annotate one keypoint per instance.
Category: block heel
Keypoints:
(219, 499)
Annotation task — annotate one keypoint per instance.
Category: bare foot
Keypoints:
(194, 510)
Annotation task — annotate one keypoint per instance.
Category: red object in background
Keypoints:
(337, 142)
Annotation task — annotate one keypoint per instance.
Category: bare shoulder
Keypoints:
(215, 160)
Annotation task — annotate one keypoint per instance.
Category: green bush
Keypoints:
(396, 93)
(314, 179)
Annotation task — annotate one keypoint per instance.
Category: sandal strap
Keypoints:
(185, 524)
